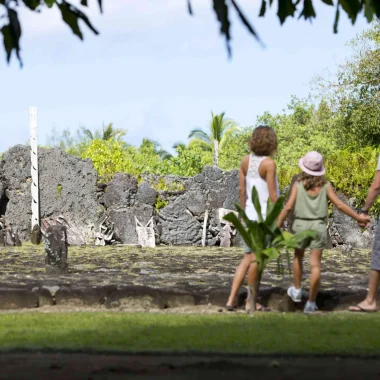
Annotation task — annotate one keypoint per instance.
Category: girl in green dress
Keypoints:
(309, 200)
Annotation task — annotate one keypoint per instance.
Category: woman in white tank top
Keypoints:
(259, 170)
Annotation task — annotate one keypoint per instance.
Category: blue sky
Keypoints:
(158, 72)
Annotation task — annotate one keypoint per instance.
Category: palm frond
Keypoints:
(179, 144)
(88, 133)
(108, 132)
(195, 142)
(231, 131)
(164, 154)
(200, 134)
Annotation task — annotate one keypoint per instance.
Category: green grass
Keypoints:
(264, 333)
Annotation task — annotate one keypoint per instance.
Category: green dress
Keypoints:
(311, 212)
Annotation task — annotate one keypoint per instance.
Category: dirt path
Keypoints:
(100, 366)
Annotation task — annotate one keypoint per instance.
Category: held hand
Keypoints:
(364, 220)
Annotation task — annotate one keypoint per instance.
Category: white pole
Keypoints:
(34, 166)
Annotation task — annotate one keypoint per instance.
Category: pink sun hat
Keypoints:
(312, 163)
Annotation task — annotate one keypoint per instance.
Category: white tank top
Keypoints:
(253, 179)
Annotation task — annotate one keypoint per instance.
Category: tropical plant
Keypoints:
(219, 129)
(107, 133)
(264, 238)
(154, 147)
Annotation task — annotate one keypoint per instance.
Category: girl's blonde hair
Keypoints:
(263, 141)
(310, 182)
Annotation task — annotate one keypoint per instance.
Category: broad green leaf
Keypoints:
(231, 217)
(256, 203)
(257, 237)
(271, 220)
(272, 253)
(269, 234)
(328, 2)
(243, 215)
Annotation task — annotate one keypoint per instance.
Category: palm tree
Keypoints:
(156, 147)
(219, 129)
(107, 133)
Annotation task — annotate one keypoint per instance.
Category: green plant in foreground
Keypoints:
(264, 238)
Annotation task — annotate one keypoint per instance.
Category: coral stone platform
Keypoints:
(163, 278)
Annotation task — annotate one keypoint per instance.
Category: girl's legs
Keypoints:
(241, 270)
(295, 292)
(315, 271)
(298, 267)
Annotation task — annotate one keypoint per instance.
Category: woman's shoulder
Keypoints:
(269, 162)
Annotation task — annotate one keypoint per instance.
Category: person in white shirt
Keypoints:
(257, 169)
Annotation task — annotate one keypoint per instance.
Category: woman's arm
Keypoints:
(289, 206)
(242, 186)
(341, 206)
(269, 174)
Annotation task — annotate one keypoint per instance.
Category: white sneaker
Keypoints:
(295, 294)
(310, 307)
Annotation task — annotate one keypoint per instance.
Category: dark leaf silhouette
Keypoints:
(11, 29)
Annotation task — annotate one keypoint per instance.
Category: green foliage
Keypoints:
(108, 157)
(161, 203)
(108, 132)
(352, 173)
(353, 92)
(71, 15)
(162, 185)
(289, 8)
(59, 190)
(234, 148)
(264, 238)
(11, 29)
(219, 130)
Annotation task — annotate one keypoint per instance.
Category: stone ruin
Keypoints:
(176, 210)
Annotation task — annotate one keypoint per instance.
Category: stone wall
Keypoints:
(69, 187)
(185, 201)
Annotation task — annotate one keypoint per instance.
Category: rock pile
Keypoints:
(185, 210)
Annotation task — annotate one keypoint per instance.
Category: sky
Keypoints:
(158, 72)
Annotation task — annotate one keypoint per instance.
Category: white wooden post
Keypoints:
(34, 167)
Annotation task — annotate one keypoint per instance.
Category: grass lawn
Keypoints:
(264, 333)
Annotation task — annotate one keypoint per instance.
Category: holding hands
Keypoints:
(364, 220)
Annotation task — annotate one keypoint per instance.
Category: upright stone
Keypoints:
(55, 242)
(36, 235)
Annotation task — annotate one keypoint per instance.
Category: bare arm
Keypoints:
(288, 207)
(242, 186)
(341, 206)
(373, 192)
(267, 171)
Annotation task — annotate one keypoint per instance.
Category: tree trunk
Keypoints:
(216, 152)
